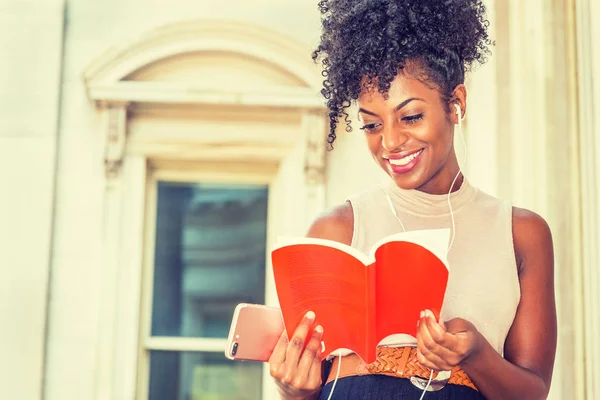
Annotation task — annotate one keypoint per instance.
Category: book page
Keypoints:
(284, 241)
(325, 280)
(435, 240)
(408, 279)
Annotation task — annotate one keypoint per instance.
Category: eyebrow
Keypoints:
(398, 107)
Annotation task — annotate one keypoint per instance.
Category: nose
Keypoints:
(392, 138)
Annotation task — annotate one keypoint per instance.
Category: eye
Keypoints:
(371, 128)
(413, 119)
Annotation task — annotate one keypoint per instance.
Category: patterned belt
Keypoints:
(400, 362)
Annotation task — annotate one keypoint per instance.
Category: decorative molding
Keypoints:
(203, 36)
(116, 137)
(314, 127)
(161, 93)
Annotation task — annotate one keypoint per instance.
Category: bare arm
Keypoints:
(336, 224)
(529, 351)
(525, 371)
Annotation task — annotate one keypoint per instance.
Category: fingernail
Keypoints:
(322, 347)
(310, 315)
(422, 314)
(319, 329)
(429, 313)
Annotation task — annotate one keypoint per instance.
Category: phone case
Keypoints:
(255, 330)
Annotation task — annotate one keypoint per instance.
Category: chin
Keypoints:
(407, 182)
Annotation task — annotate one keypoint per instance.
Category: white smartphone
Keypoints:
(255, 330)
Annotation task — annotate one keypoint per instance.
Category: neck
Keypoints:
(440, 182)
(419, 202)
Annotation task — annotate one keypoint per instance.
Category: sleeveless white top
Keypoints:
(483, 284)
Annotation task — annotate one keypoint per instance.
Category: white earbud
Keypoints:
(458, 111)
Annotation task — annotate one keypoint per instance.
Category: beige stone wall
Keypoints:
(30, 67)
(56, 217)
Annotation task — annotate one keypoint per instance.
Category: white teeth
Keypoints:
(405, 160)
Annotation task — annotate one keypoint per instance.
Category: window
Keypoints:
(206, 254)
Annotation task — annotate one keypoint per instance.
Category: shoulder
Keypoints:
(334, 224)
(532, 239)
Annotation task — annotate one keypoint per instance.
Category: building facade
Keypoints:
(152, 152)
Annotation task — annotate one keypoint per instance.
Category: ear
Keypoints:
(459, 96)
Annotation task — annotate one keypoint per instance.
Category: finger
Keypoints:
(314, 376)
(430, 349)
(424, 338)
(310, 352)
(433, 338)
(296, 344)
(453, 340)
(432, 360)
(278, 356)
(435, 364)
(439, 323)
(425, 362)
(437, 333)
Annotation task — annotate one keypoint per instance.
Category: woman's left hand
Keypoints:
(442, 346)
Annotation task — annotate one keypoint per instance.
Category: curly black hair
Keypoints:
(376, 39)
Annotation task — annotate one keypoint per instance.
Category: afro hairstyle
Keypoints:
(365, 44)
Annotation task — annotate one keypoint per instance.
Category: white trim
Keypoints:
(145, 316)
(214, 172)
(105, 350)
(129, 280)
(589, 107)
(185, 344)
(162, 92)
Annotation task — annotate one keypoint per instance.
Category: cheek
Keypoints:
(373, 143)
(438, 136)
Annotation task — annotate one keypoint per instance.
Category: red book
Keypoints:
(362, 299)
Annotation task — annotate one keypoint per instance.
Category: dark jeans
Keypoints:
(381, 387)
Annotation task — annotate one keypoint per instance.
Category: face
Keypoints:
(410, 134)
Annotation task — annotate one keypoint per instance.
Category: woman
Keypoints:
(403, 62)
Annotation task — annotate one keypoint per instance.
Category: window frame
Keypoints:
(260, 175)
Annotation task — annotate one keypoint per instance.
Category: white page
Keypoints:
(434, 240)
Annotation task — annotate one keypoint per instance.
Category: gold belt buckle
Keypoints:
(436, 384)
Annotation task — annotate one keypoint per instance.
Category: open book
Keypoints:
(362, 299)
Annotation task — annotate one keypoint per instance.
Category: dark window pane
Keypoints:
(202, 376)
(210, 256)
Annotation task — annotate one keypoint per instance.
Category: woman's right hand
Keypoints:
(295, 368)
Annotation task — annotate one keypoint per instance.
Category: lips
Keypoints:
(404, 162)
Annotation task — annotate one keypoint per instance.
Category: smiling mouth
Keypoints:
(401, 162)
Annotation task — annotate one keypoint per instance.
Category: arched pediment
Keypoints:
(197, 57)
(217, 69)
(209, 65)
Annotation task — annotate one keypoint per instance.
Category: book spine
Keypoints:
(371, 301)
